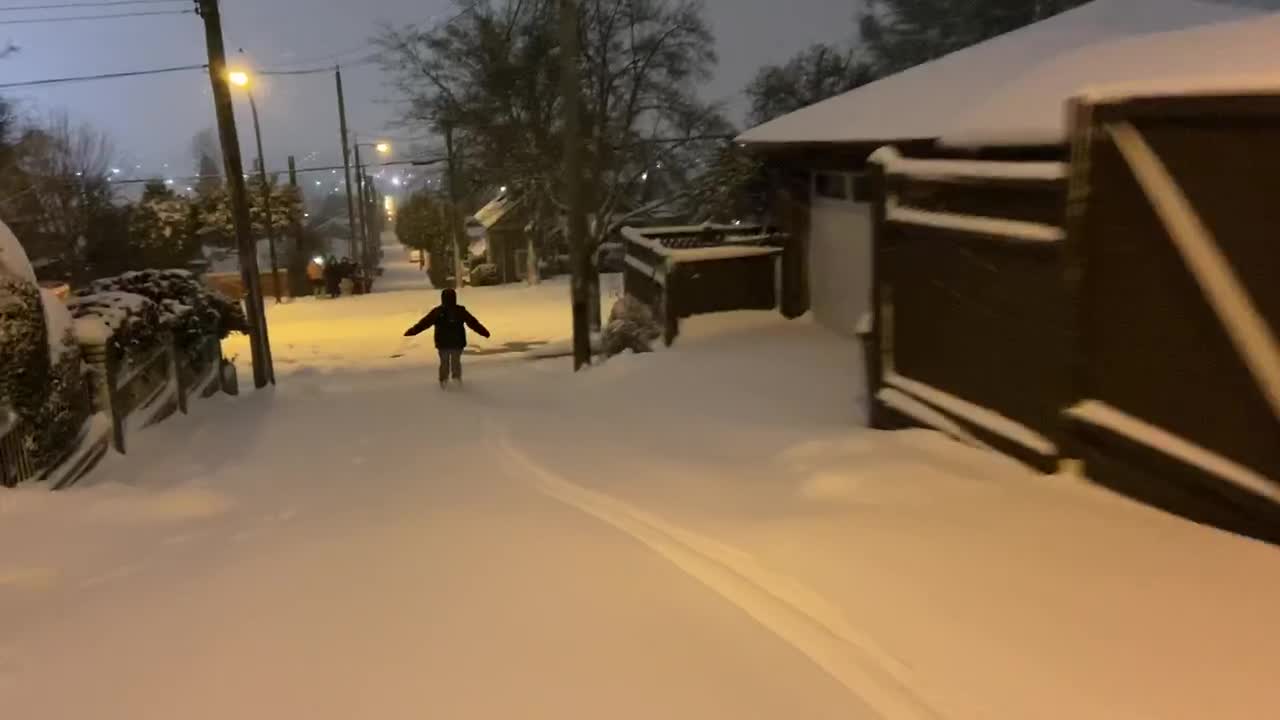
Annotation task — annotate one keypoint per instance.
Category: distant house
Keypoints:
(505, 221)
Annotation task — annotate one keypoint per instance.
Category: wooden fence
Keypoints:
(685, 271)
(969, 310)
(15, 462)
(1123, 310)
(146, 390)
(1172, 237)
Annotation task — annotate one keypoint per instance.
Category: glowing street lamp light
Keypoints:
(239, 78)
(383, 147)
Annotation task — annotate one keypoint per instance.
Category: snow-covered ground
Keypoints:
(703, 532)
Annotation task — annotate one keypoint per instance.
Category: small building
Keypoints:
(817, 155)
(1067, 266)
(505, 221)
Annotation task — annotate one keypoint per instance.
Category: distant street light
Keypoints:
(239, 78)
(383, 147)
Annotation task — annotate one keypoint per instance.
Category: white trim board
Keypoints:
(1100, 414)
(982, 417)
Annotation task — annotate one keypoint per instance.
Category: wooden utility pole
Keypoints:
(346, 158)
(576, 224)
(259, 344)
(296, 222)
(360, 207)
(454, 220)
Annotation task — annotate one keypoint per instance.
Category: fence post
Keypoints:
(113, 401)
(103, 369)
(176, 371)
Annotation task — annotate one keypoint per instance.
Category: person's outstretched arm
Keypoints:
(423, 324)
(474, 324)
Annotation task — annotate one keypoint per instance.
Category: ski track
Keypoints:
(796, 614)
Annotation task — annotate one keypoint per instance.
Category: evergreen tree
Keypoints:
(904, 33)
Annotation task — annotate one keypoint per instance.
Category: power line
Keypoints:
(96, 3)
(103, 76)
(72, 18)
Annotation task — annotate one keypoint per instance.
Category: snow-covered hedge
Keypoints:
(143, 304)
(218, 314)
(40, 372)
(128, 324)
(631, 327)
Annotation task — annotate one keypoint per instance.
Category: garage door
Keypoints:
(839, 252)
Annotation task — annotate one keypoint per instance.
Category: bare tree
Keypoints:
(62, 177)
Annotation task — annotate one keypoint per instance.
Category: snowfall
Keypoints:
(707, 531)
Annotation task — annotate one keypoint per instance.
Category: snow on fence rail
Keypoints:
(689, 270)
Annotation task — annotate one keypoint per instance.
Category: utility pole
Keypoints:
(296, 220)
(346, 157)
(577, 218)
(453, 206)
(360, 204)
(259, 344)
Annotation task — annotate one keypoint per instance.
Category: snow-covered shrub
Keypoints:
(485, 274)
(40, 371)
(218, 314)
(631, 327)
(129, 324)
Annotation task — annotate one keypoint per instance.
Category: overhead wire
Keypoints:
(112, 16)
(89, 4)
(100, 76)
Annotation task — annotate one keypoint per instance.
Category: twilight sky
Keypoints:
(152, 118)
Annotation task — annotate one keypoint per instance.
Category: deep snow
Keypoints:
(703, 532)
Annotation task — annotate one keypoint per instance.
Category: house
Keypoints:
(505, 221)
(818, 154)
(1068, 267)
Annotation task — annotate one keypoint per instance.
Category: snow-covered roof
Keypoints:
(918, 103)
(497, 209)
(1224, 57)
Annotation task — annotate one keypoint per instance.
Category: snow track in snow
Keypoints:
(795, 613)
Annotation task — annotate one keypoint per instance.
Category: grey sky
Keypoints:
(153, 118)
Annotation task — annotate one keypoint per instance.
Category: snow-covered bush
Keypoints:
(218, 314)
(128, 324)
(40, 372)
(485, 274)
(631, 327)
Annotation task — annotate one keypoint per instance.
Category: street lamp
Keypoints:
(240, 79)
(382, 147)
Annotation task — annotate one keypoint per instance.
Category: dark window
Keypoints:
(830, 185)
(861, 187)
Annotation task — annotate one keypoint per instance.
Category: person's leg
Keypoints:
(455, 364)
(444, 366)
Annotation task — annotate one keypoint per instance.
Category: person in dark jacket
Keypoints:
(332, 276)
(451, 321)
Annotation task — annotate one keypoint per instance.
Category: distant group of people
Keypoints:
(326, 275)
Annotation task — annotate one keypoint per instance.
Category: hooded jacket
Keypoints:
(451, 321)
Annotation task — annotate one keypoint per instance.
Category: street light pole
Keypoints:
(266, 198)
(259, 345)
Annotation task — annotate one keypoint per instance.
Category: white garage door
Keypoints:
(839, 252)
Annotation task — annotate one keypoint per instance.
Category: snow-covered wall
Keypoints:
(839, 263)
